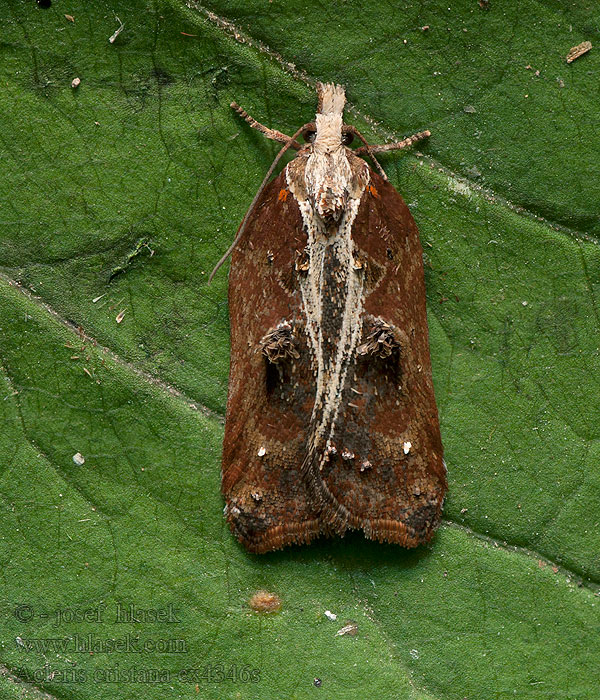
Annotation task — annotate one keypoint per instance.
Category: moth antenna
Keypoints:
(269, 133)
(253, 204)
(408, 141)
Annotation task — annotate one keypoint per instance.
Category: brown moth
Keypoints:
(331, 417)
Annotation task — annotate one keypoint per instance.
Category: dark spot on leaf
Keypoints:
(161, 76)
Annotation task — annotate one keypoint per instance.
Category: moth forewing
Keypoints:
(331, 417)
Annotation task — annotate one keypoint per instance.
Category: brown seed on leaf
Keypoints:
(265, 602)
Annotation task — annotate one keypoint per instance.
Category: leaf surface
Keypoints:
(119, 196)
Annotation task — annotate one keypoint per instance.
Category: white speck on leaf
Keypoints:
(459, 187)
(79, 459)
(473, 172)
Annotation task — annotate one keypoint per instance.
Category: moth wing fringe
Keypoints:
(278, 536)
(396, 532)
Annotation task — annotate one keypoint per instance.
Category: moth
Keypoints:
(331, 420)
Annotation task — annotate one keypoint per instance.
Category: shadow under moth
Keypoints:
(331, 418)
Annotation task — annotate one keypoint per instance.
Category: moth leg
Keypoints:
(380, 148)
(279, 343)
(382, 339)
(269, 133)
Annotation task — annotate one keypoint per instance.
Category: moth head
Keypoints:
(330, 133)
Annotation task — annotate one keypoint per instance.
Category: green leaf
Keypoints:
(119, 195)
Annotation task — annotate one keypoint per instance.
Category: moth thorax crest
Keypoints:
(331, 204)
(328, 179)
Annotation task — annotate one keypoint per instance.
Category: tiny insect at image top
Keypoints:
(331, 420)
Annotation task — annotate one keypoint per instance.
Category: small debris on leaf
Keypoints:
(79, 459)
(70, 18)
(265, 602)
(330, 616)
(578, 51)
(317, 682)
(120, 316)
(351, 629)
(469, 109)
(76, 82)
(112, 38)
